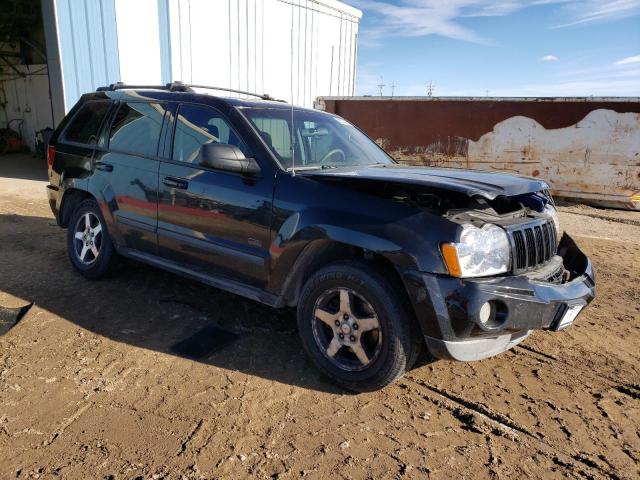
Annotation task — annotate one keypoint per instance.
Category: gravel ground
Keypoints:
(89, 386)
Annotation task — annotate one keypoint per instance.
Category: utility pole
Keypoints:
(430, 87)
(393, 87)
(381, 85)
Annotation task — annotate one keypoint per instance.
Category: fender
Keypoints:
(303, 237)
(308, 209)
(301, 242)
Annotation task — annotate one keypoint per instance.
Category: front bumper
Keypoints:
(449, 309)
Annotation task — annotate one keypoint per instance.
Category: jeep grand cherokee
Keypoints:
(298, 208)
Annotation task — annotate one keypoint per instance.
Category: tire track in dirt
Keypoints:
(472, 414)
(495, 418)
(571, 368)
(631, 390)
(529, 349)
(196, 429)
(69, 421)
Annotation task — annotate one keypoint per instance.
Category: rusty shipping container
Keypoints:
(588, 149)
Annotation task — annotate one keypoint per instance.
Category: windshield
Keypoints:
(320, 140)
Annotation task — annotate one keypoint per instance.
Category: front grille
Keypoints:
(533, 244)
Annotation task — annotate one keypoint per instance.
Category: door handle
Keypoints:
(176, 183)
(105, 167)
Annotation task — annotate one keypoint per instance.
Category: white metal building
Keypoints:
(295, 50)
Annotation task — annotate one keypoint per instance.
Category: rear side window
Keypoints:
(136, 128)
(84, 126)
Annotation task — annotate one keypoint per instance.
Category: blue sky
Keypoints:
(499, 48)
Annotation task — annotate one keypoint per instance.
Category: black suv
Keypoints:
(298, 208)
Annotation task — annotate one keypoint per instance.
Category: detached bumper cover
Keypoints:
(449, 309)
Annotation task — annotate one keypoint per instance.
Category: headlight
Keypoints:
(479, 252)
(553, 213)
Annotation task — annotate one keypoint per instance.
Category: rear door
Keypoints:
(126, 172)
(212, 221)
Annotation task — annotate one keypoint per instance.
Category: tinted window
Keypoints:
(85, 124)
(321, 140)
(136, 128)
(198, 125)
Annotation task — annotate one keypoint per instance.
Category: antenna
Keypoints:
(393, 87)
(293, 150)
(430, 88)
(381, 85)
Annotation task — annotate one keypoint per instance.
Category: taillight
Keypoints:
(51, 155)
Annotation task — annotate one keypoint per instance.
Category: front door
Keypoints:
(214, 222)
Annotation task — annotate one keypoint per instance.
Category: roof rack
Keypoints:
(181, 87)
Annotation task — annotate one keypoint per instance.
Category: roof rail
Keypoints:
(172, 87)
(181, 87)
(263, 96)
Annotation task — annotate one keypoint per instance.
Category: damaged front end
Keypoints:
(541, 280)
(478, 318)
(505, 268)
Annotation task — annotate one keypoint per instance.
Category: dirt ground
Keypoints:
(90, 389)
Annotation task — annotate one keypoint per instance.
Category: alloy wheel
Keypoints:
(88, 238)
(346, 329)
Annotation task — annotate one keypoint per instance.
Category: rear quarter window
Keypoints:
(85, 125)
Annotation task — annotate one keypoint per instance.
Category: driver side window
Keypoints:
(197, 125)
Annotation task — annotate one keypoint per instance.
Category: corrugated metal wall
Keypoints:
(240, 44)
(247, 45)
(587, 148)
(87, 44)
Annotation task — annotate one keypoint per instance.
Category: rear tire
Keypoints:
(357, 326)
(89, 245)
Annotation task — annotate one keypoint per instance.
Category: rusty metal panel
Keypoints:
(588, 149)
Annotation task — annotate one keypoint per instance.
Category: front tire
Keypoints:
(89, 245)
(357, 327)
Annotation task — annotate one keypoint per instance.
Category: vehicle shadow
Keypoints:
(25, 166)
(149, 308)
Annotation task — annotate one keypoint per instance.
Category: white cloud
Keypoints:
(549, 58)
(591, 11)
(628, 60)
(418, 18)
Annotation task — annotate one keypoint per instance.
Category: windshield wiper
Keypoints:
(311, 167)
(307, 167)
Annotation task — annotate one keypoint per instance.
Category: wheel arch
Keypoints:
(70, 200)
(323, 251)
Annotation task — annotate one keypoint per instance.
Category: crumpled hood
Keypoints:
(469, 182)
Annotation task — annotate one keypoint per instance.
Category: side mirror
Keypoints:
(228, 158)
